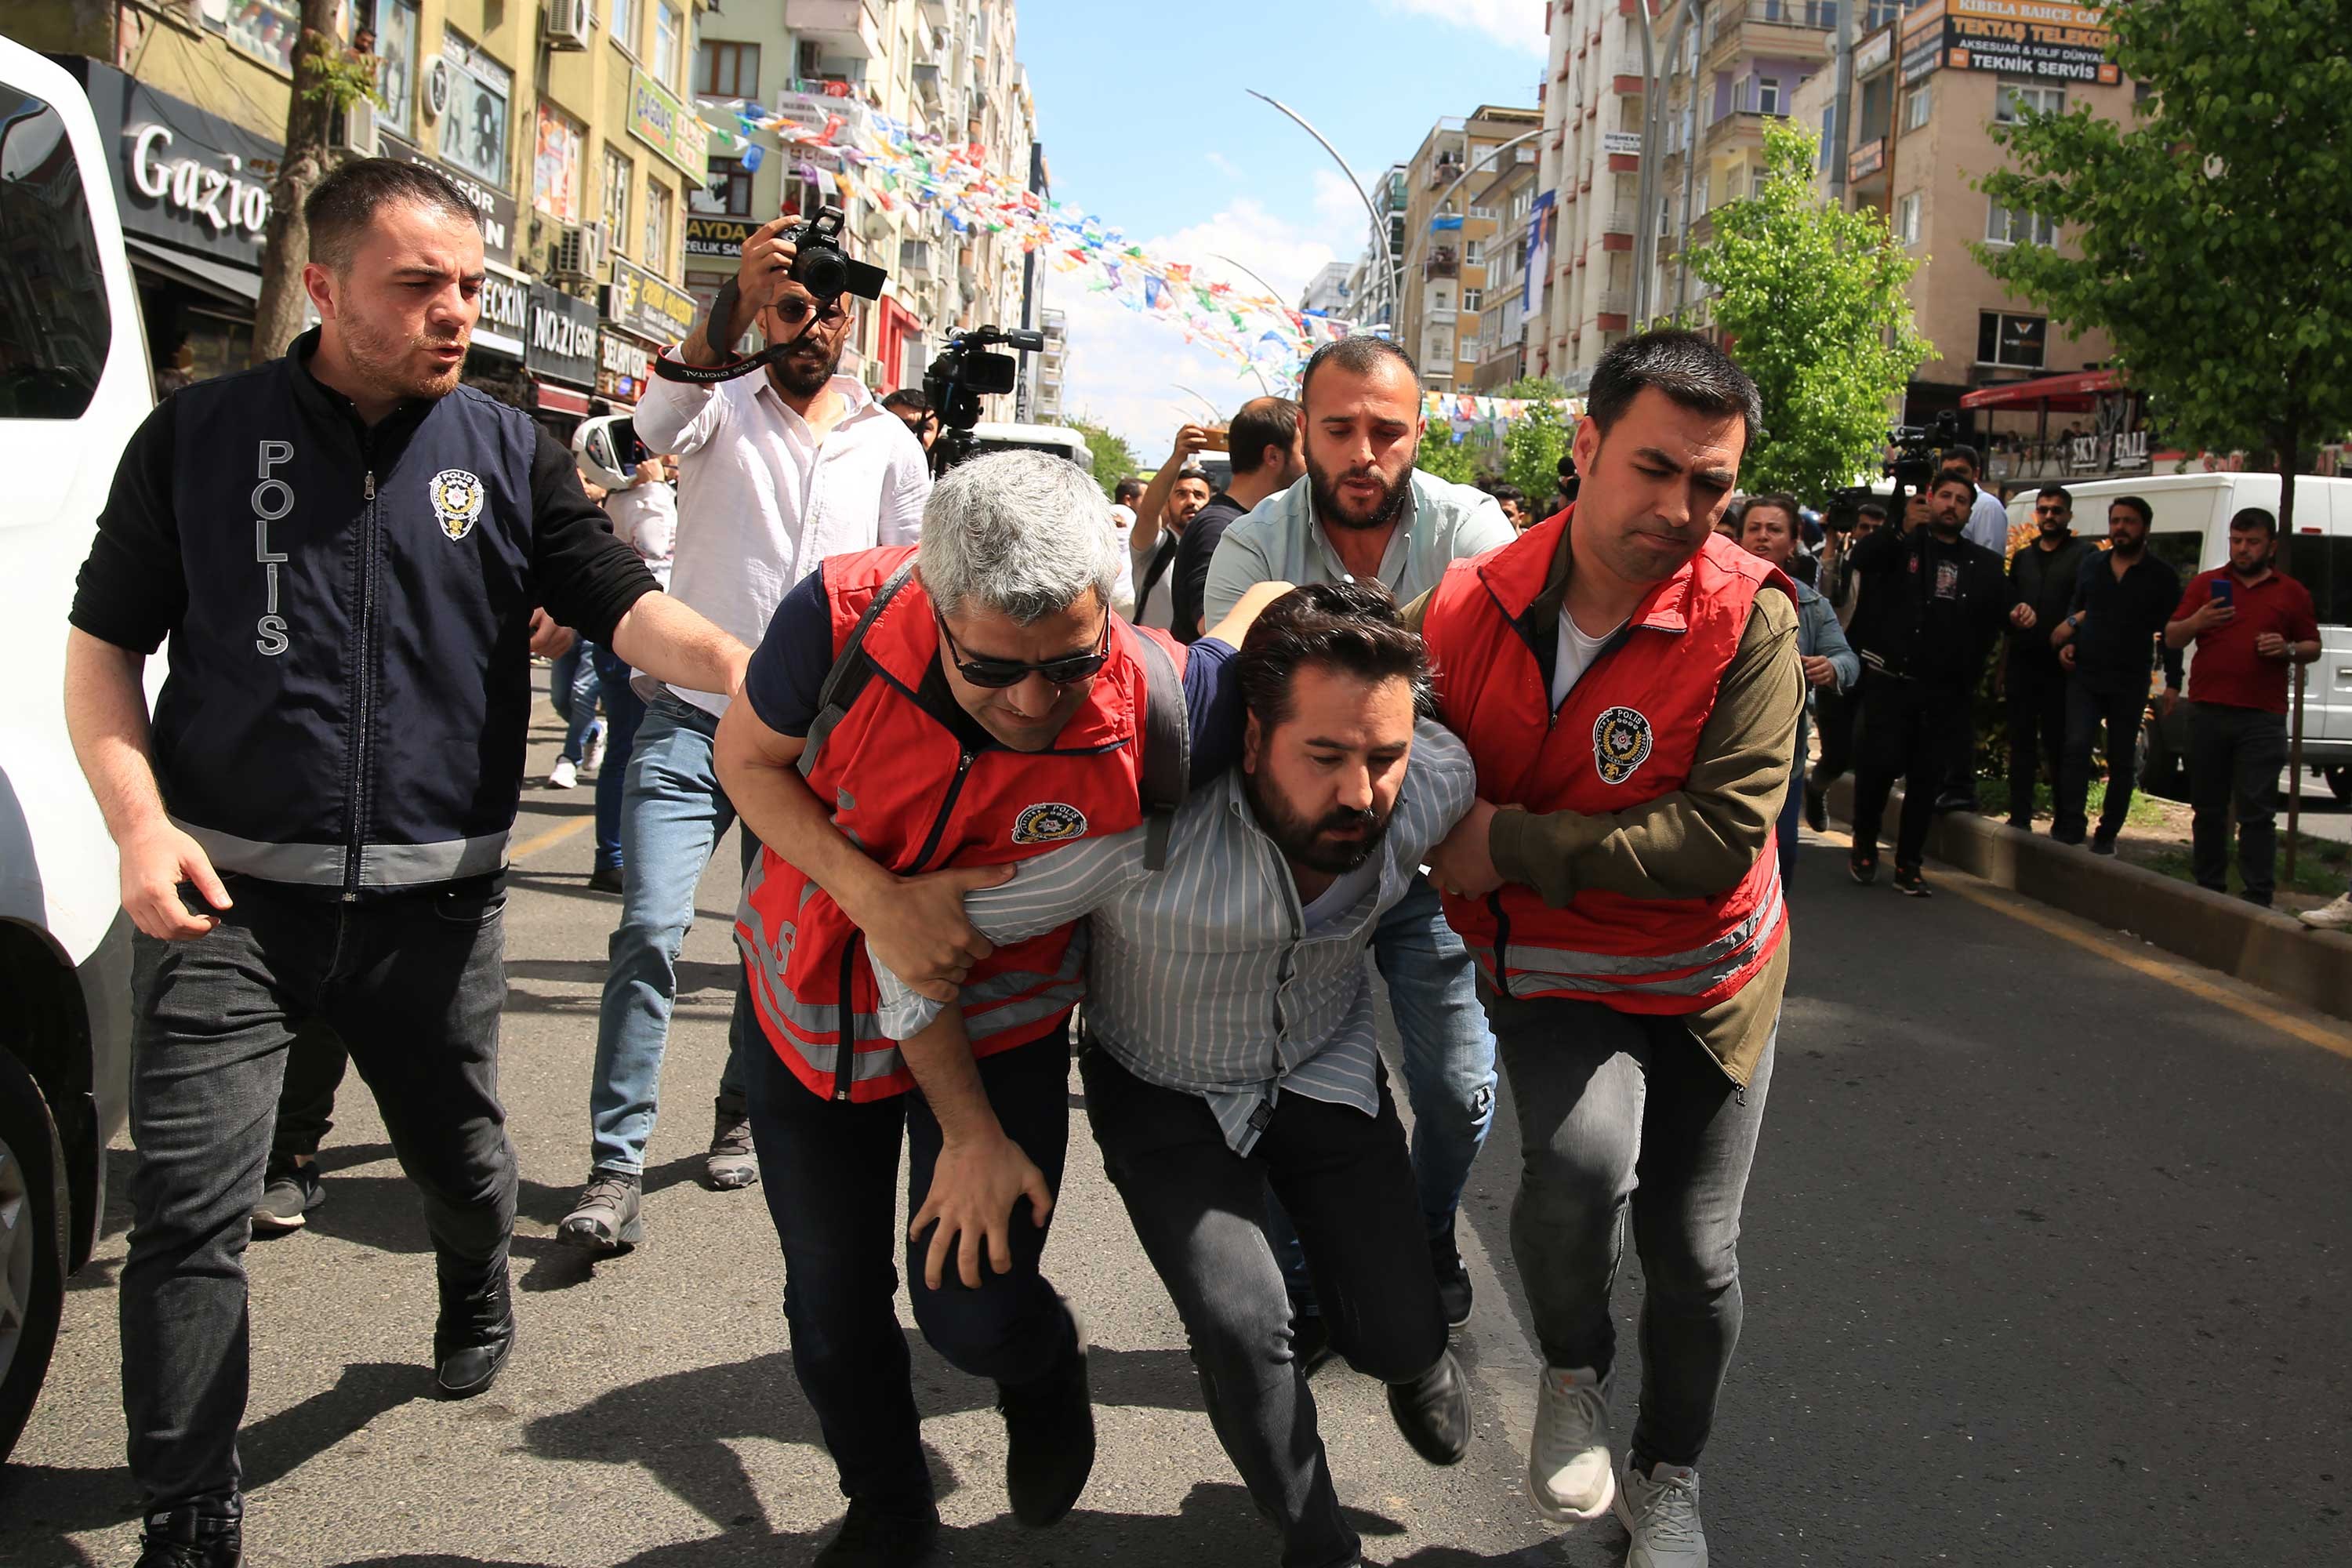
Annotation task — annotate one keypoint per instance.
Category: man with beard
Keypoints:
(1204, 1099)
(1164, 511)
(345, 548)
(2034, 683)
(776, 471)
(1264, 442)
(2109, 641)
(1363, 512)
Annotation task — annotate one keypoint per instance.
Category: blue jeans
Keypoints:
(571, 692)
(623, 711)
(1786, 832)
(673, 814)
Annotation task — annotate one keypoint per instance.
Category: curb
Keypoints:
(2262, 947)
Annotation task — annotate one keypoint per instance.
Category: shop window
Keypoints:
(2018, 342)
(474, 129)
(619, 174)
(55, 328)
(658, 223)
(556, 167)
(727, 70)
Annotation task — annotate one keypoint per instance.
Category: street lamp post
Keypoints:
(1395, 282)
(1414, 242)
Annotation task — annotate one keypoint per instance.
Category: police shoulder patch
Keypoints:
(1049, 822)
(456, 498)
(1621, 743)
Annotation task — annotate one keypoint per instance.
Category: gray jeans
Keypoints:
(2235, 755)
(1626, 1116)
(412, 987)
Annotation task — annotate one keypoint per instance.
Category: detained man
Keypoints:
(1203, 1098)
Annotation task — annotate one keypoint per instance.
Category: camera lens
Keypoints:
(822, 272)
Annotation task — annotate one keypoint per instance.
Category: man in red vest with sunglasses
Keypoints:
(1628, 686)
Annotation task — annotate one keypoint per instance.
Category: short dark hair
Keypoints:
(1964, 454)
(1351, 628)
(1261, 423)
(1127, 489)
(909, 398)
(1953, 474)
(2060, 491)
(1359, 354)
(1776, 500)
(1506, 490)
(1877, 508)
(2247, 519)
(341, 207)
(1193, 471)
(1688, 367)
(2137, 503)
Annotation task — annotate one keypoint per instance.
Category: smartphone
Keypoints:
(2221, 589)
(1220, 438)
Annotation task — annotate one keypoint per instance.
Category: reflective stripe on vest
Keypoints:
(322, 865)
(1525, 969)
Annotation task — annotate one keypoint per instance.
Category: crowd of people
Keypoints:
(1001, 746)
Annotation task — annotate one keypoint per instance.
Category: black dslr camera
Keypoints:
(965, 373)
(822, 268)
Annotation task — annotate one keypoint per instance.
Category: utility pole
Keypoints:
(1645, 186)
(1844, 102)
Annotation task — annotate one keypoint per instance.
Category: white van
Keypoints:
(2192, 534)
(1058, 439)
(73, 386)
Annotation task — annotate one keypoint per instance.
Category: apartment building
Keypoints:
(1046, 369)
(1506, 197)
(1331, 291)
(1448, 245)
(1588, 171)
(1373, 280)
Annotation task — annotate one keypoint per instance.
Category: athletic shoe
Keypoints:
(1453, 1280)
(1660, 1511)
(1862, 867)
(287, 1197)
(2022, 824)
(873, 1537)
(2102, 844)
(1817, 809)
(2337, 916)
(1432, 1411)
(564, 774)
(1569, 1473)
(604, 879)
(184, 1538)
(1049, 1430)
(1955, 800)
(731, 1163)
(595, 758)
(1911, 884)
(605, 1218)
(473, 1339)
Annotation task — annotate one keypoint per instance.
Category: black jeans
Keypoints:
(830, 1170)
(2036, 692)
(315, 1063)
(2234, 758)
(412, 987)
(1834, 713)
(1347, 1183)
(1911, 730)
(1626, 1116)
(2087, 712)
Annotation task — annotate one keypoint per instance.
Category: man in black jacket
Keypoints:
(2108, 643)
(2042, 580)
(1931, 605)
(345, 548)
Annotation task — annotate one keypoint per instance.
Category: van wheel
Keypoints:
(32, 1245)
(2339, 782)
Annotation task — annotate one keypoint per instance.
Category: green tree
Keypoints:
(1114, 459)
(327, 83)
(1532, 446)
(2210, 234)
(1813, 299)
(1447, 459)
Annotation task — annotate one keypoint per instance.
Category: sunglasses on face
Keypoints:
(996, 674)
(795, 312)
(2049, 511)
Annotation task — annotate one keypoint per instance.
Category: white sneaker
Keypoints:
(562, 776)
(1570, 1475)
(595, 757)
(1660, 1511)
(2337, 916)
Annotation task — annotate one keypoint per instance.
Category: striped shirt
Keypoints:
(1204, 978)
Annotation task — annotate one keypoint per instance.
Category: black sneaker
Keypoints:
(604, 879)
(1049, 1430)
(605, 1220)
(1911, 884)
(1433, 1411)
(1955, 800)
(1310, 1342)
(184, 1538)
(1453, 1280)
(2102, 844)
(1862, 867)
(732, 1164)
(2022, 824)
(473, 1339)
(873, 1537)
(1817, 809)
(289, 1193)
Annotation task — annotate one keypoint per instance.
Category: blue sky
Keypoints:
(1146, 122)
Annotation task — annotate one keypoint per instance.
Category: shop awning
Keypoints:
(2057, 390)
(234, 284)
(562, 400)
(497, 342)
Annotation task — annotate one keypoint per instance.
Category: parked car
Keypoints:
(2192, 534)
(74, 384)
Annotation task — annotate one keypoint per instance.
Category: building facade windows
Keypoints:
(670, 33)
(2011, 98)
(658, 223)
(555, 164)
(395, 74)
(723, 69)
(474, 127)
(2003, 226)
(2019, 343)
(1906, 220)
(619, 175)
(624, 24)
(728, 192)
(1916, 108)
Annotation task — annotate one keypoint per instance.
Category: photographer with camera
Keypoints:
(785, 461)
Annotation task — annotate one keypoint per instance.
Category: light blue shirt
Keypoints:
(1204, 977)
(1987, 524)
(1280, 540)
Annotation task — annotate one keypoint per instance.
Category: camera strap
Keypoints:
(722, 312)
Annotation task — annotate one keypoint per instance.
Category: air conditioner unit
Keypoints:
(568, 24)
(357, 132)
(579, 252)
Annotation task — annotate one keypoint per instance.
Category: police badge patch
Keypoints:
(456, 498)
(1049, 822)
(1621, 743)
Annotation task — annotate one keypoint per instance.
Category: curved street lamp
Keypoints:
(1394, 277)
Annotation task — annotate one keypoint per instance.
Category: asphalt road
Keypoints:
(2047, 1262)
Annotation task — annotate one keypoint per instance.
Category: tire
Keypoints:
(2339, 782)
(32, 1244)
(2160, 773)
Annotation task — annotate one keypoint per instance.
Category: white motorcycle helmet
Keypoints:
(607, 450)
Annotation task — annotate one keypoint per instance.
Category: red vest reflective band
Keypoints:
(1626, 734)
(903, 787)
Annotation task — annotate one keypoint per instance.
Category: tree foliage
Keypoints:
(2210, 233)
(325, 81)
(1446, 457)
(1114, 459)
(1533, 445)
(1813, 299)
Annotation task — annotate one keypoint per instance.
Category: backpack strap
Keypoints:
(852, 669)
(1167, 749)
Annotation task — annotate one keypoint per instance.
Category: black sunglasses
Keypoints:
(794, 310)
(999, 673)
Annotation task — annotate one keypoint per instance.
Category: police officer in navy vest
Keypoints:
(345, 548)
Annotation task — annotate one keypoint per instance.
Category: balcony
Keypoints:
(1436, 317)
(1618, 221)
(1613, 302)
(915, 257)
(1775, 29)
(927, 85)
(842, 26)
(1442, 262)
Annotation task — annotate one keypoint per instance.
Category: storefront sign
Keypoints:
(561, 341)
(182, 177)
(1874, 54)
(506, 314)
(717, 236)
(1614, 143)
(1923, 41)
(659, 121)
(638, 302)
(1867, 160)
(2054, 39)
(498, 208)
(621, 366)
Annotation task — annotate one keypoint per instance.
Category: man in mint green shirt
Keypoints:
(1363, 513)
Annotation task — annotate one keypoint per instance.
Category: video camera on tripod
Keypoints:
(966, 372)
(1918, 455)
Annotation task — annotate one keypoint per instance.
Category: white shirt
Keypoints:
(1576, 655)
(763, 498)
(1154, 603)
(1122, 527)
(645, 518)
(1987, 524)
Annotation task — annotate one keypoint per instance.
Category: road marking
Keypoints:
(2109, 943)
(550, 838)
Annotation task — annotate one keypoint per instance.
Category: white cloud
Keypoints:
(1516, 23)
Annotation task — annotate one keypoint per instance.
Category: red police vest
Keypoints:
(903, 786)
(1626, 734)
